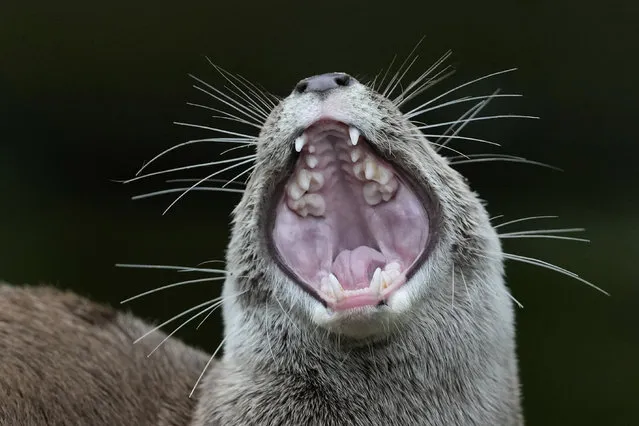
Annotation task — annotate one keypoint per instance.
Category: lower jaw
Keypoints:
(353, 299)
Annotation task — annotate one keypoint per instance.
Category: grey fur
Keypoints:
(434, 360)
(441, 353)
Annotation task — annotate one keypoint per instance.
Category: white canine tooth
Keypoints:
(317, 181)
(335, 286)
(311, 161)
(303, 179)
(300, 141)
(386, 280)
(315, 204)
(294, 191)
(356, 154)
(372, 196)
(376, 282)
(354, 134)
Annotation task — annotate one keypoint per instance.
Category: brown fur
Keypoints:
(67, 361)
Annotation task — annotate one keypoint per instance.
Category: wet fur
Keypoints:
(444, 356)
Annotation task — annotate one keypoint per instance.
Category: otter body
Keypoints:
(65, 360)
(365, 287)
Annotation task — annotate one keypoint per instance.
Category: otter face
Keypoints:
(357, 214)
(347, 225)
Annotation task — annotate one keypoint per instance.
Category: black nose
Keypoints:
(324, 82)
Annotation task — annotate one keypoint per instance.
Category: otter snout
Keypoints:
(324, 82)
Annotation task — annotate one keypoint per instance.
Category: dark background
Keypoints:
(89, 92)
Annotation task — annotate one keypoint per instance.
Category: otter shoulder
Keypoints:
(68, 360)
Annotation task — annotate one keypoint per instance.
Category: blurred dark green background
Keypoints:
(89, 91)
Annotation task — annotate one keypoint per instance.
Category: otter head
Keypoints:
(351, 221)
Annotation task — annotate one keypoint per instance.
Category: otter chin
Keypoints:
(348, 226)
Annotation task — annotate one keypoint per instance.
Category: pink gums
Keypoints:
(352, 238)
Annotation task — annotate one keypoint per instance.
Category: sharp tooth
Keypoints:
(370, 168)
(315, 204)
(376, 282)
(335, 286)
(303, 179)
(300, 141)
(317, 181)
(354, 134)
(371, 193)
(311, 161)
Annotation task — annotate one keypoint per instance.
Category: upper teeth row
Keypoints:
(382, 279)
(301, 140)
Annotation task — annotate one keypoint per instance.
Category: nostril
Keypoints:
(343, 80)
(324, 82)
(301, 87)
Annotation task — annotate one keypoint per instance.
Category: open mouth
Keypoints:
(347, 226)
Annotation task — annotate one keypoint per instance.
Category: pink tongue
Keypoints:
(354, 269)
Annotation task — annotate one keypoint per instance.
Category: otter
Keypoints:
(364, 286)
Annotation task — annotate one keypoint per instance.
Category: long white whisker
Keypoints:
(226, 115)
(237, 106)
(209, 309)
(174, 190)
(191, 142)
(381, 82)
(462, 100)
(466, 138)
(249, 138)
(246, 96)
(468, 115)
(418, 86)
(170, 267)
(389, 90)
(552, 267)
(221, 301)
(197, 382)
(523, 219)
(208, 302)
(486, 155)
(550, 237)
(226, 151)
(488, 117)
(401, 76)
(461, 86)
(258, 115)
(164, 287)
(237, 176)
(247, 158)
(546, 231)
(208, 180)
(179, 197)
(507, 160)
(440, 146)
(257, 92)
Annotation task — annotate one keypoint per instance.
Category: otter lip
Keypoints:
(347, 225)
